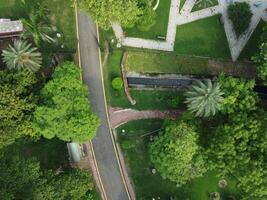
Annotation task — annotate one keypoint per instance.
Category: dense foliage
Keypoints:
(22, 178)
(148, 18)
(176, 154)
(17, 103)
(238, 95)
(240, 14)
(204, 98)
(65, 112)
(107, 11)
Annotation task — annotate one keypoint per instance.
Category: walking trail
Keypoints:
(176, 18)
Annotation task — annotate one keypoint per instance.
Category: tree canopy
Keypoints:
(176, 154)
(107, 11)
(17, 103)
(65, 112)
(22, 178)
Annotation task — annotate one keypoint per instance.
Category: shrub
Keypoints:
(240, 14)
(117, 83)
(127, 144)
(147, 20)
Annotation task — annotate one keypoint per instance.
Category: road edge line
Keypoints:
(110, 130)
(79, 64)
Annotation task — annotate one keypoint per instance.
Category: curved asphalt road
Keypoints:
(102, 143)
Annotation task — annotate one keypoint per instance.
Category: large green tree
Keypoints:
(238, 148)
(176, 154)
(238, 95)
(204, 98)
(261, 62)
(22, 178)
(65, 112)
(126, 12)
(17, 103)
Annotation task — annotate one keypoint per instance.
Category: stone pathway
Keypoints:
(119, 116)
(185, 16)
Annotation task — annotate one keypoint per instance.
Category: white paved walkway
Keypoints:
(185, 16)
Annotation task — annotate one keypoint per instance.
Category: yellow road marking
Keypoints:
(110, 131)
(79, 63)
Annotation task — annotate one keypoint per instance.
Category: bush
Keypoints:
(147, 20)
(240, 14)
(127, 144)
(117, 83)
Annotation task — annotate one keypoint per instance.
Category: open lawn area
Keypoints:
(202, 4)
(160, 27)
(147, 185)
(204, 37)
(145, 99)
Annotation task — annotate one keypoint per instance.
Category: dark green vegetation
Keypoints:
(240, 14)
(202, 4)
(201, 38)
(32, 167)
(65, 112)
(159, 28)
(148, 185)
(146, 99)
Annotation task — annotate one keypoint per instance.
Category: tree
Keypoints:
(261, 61)
(240, 14)
(204, 98)
(65, 112)
(107, 11)
(176, 154)
(17, 103)
(238, 95)
(147, 20)
(22, 178)
(22, 56)
(238, 148)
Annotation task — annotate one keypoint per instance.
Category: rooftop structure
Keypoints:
(9, 29)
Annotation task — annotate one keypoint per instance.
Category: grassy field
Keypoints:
(159, 29)
(146, 99)
(204, 37)
(147, 185)
(164, 62)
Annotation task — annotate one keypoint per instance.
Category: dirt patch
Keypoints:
(238, 69)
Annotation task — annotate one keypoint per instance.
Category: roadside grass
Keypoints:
(165, 62)
(205, 37)
(202, 4)
(145, 99)
(252, 47)
(147, 185)
(160, 27)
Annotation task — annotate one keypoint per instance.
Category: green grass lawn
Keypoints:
(159, 29)
(165, 62)
(147, 185)
(181, 4)
(252, 47)
(146, 99)
(204, 37)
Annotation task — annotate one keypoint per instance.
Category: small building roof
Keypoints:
(8, 27)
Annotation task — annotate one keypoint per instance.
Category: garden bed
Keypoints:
(202, 4)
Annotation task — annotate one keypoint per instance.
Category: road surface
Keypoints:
(103, 147)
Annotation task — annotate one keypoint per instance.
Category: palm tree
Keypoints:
(204, 98)
(22, 56)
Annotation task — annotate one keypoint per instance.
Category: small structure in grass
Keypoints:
(215, 196)
(10, 29)
(222, 183)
